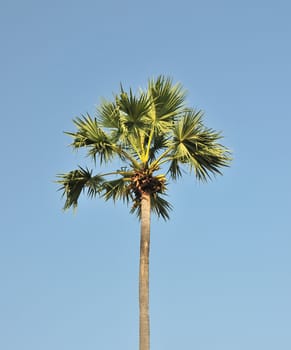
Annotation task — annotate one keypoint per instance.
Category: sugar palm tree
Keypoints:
(156, 137)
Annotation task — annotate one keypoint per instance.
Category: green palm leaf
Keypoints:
(117, 189)
(197, 146)
(89, 134)
(168, 101)
(108, 115)
(133, 111)
(76, 181)
(175, 169)
(160, 206)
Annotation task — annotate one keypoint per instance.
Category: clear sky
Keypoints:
(220, 268)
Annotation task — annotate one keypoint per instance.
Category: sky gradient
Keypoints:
(220, 268)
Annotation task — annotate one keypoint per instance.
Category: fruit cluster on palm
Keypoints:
(156, 137)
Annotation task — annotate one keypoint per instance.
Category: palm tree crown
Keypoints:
(151, 131)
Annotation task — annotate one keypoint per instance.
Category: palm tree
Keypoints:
(155, 136)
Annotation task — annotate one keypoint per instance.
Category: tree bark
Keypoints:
(144, 321)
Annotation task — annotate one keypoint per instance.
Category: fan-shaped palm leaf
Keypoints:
(89, 134)
(168, 102)
(197, 146)
(76, 181)
(117, 189)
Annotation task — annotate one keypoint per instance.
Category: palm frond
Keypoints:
(133, 111)
(76, 181)
(89, 134)
(160, 206)
(117, 189)
(197, 146)
(175, 169)
(108, 115)
(168, 102)
(94, 185)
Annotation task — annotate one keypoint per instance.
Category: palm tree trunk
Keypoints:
(144, 321)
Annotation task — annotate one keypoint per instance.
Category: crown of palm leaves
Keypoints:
(149, 131)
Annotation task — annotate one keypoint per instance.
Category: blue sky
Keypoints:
(220, 268)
